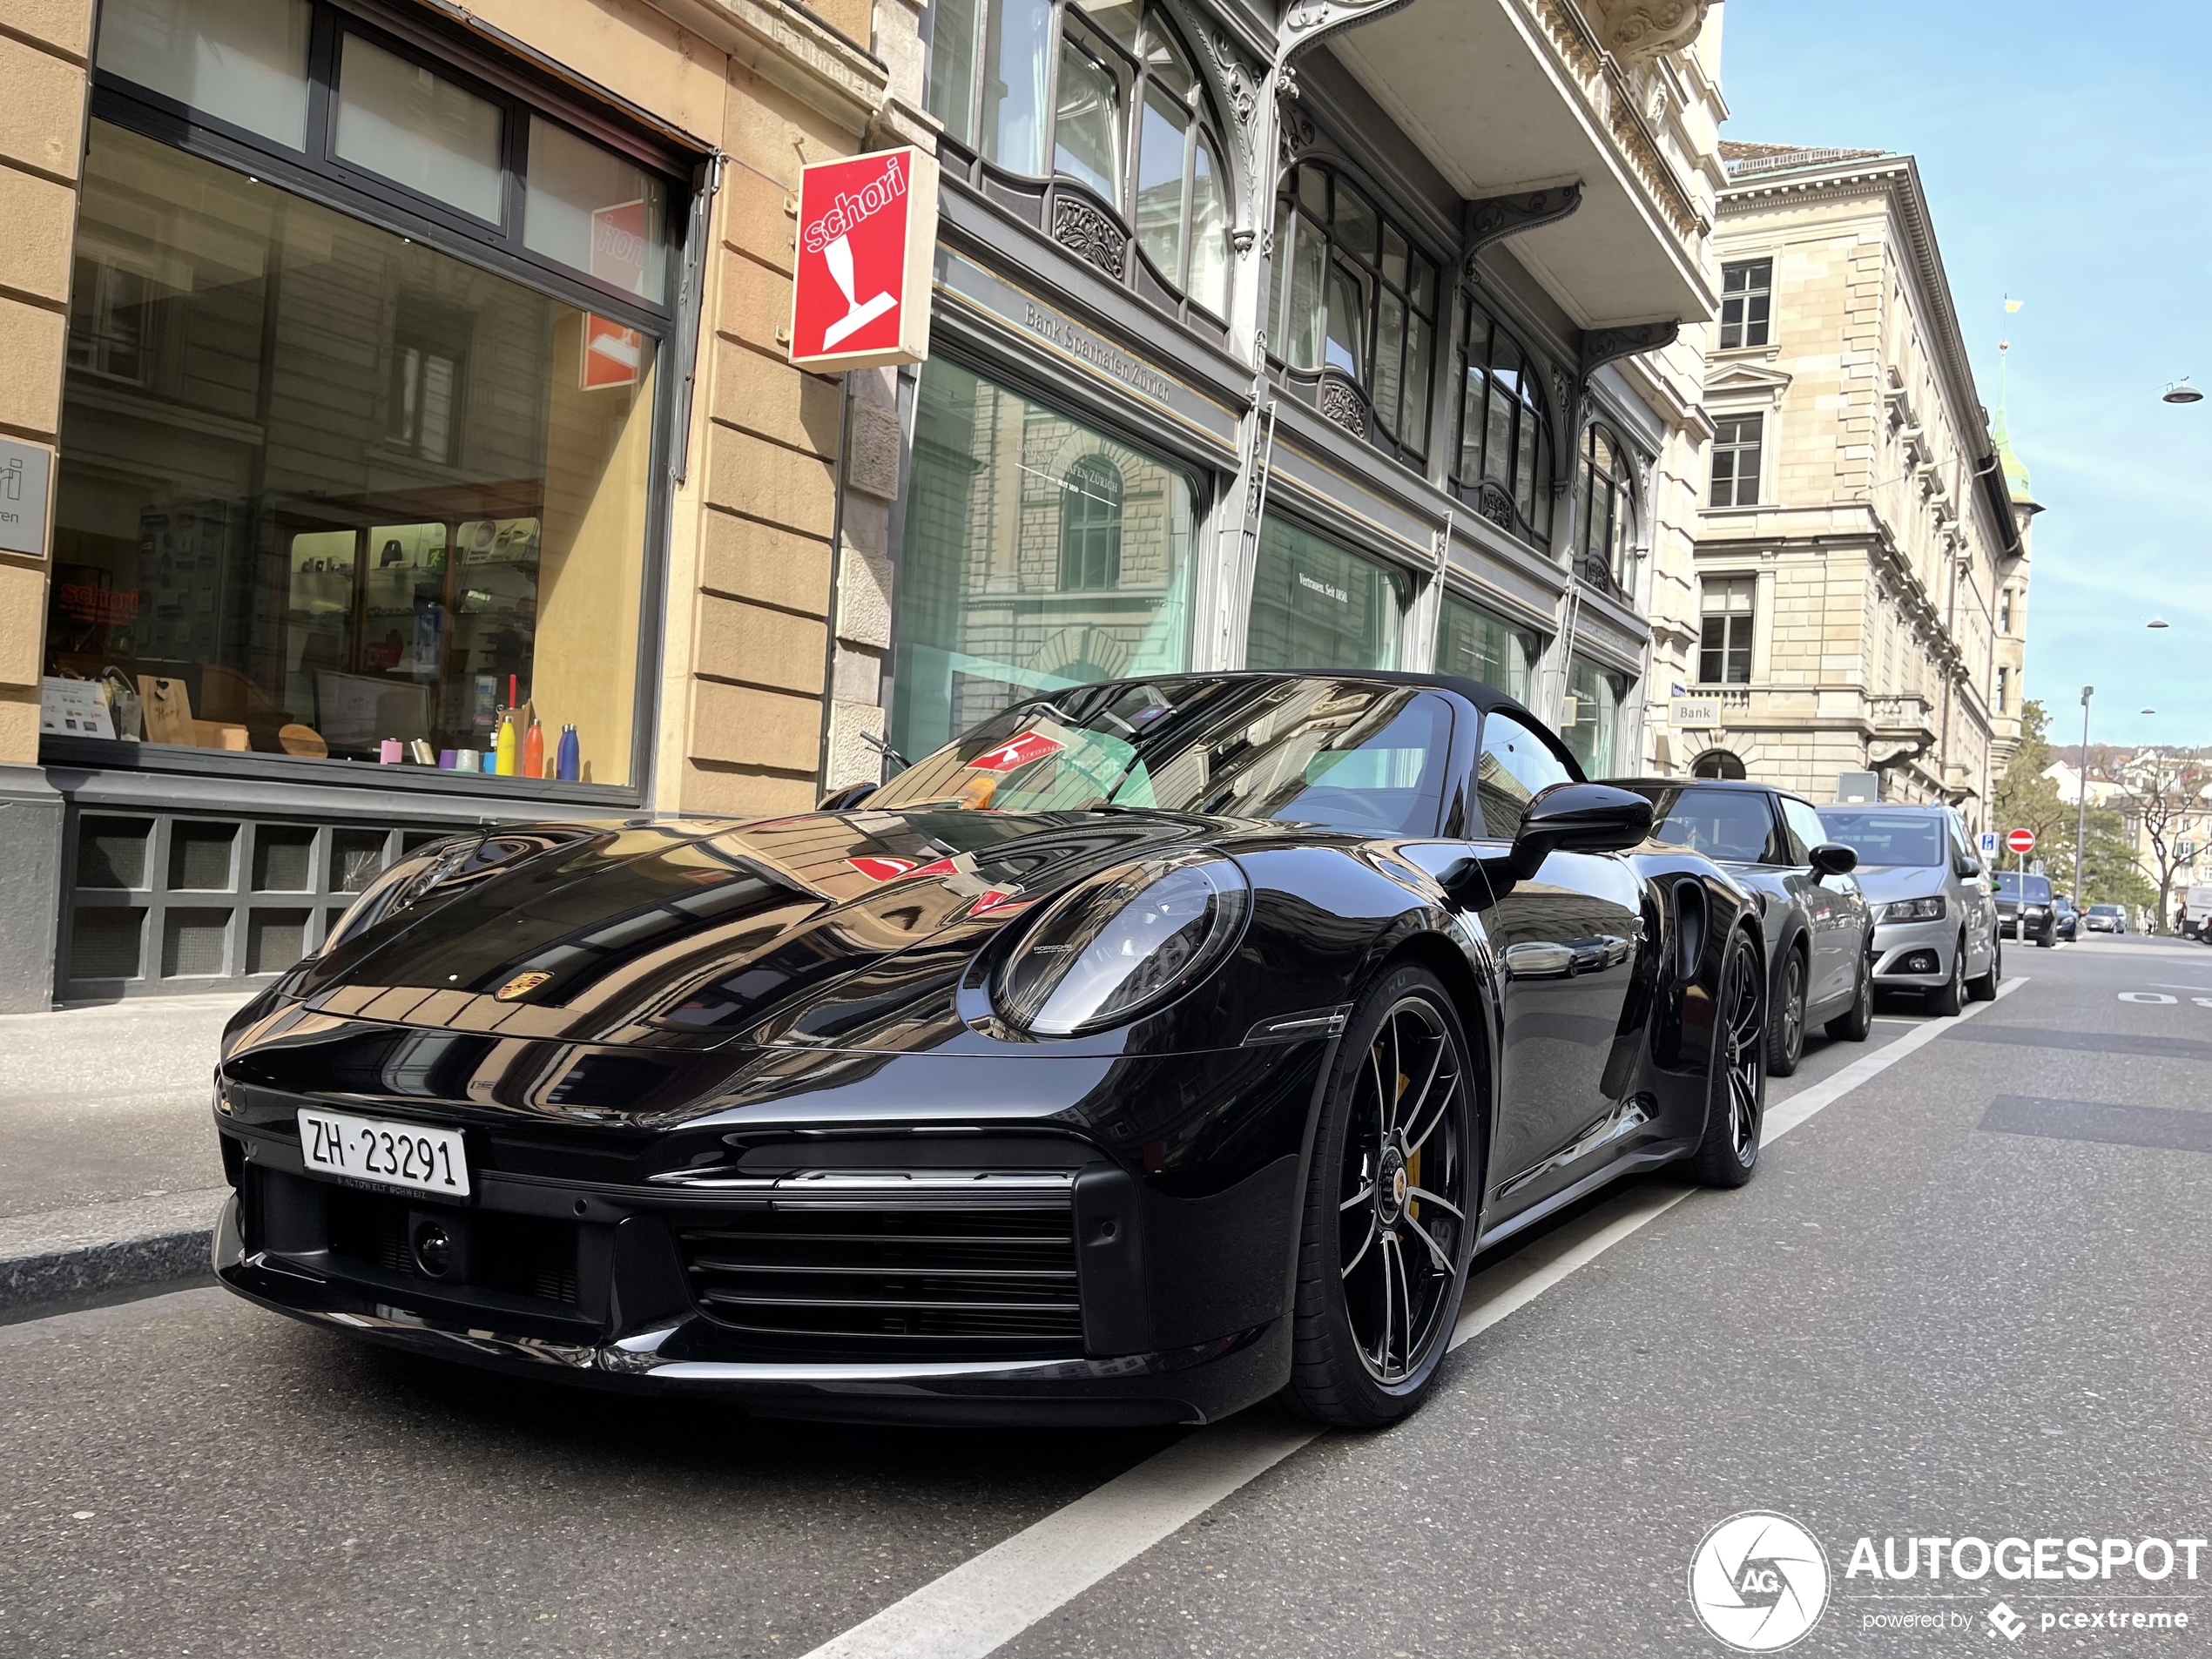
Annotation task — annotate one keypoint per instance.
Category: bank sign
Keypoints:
(867, 226)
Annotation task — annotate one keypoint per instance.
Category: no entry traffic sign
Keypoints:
(2020, 841)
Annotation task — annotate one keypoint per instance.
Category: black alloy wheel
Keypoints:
(1786, 1033)
(1390, 1213)
(1983, 986)
(2049, 941)
(1736, 1095)
(1855, 1021)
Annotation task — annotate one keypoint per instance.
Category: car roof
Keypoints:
(1885, 806)
(1706, 783)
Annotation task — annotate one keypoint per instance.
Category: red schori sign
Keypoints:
(867, 226)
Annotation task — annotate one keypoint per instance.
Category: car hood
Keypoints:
(1883, 882)
(683, 935)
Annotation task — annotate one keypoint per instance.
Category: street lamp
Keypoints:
(2181, 391)
(2082, 797)
(2156, 622)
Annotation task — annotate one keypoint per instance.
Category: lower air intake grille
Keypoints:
(892, 1266)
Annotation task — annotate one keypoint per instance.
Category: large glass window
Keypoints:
(1504, 461)
(1592, 718)
(1116, 106)
(323, 488)
(1039, 555)
(246, 61)
(1353, 294)
(1606, 522)
(1476, 645)
(1315, 605)
(1730, 608)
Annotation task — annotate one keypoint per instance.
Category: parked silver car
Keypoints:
(1819, 931)
(1935, 920)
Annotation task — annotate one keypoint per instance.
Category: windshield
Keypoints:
(1343, 754)
(1720, 823)
(1887, 838)
(2104, 909)
(2038, 886)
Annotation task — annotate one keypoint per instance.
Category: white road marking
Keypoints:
(991, 1598)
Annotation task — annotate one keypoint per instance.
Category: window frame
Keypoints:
(317, 173)
(1756, 293)
(1205, 129)
(1731, 620)
(1616, 559)
(1736, 446)
(1529, 402)
(1294, 220)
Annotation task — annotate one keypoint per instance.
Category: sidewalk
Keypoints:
(109, 1175)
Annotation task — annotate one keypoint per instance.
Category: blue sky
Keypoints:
(2068, 155)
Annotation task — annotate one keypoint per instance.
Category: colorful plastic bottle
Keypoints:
(568, 761)
(534, 750)
(505, 754)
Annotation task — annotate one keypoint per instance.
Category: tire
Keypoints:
(2049, 941)
(1367, 1338)
(1854, 1022)
(1736, 1090)
(1951, 996)
(1785, 1032)
(1984, 988)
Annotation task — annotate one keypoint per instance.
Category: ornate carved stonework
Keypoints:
(1607, 88)
(1634, 30)
(1241, 240)
(1295, 132)
(1562, 391)
(1602, 346)
(1089, 234)
(1341, 403)
(1308, 20)
(1494, 504)
(1495, 218)
(1241, 84)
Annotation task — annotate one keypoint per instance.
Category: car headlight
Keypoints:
(1122, 943)
(1914, 910)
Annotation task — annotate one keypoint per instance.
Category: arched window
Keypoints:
(1718, 764)
(1354, 302)
(1090, 526)
(1104, 94)
(1606, 503)
(1504, 461)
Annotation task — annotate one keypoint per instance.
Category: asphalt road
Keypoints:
(1967, 1297)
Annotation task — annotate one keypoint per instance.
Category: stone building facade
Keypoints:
(1861, 554)
(400, 371)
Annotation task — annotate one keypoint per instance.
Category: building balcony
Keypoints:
(1510, 97)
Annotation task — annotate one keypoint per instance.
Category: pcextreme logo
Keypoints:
(1759, 1581)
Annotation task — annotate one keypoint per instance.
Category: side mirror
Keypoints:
(1566, 818)
(851, 795)
(1969, 869)
(1833, 858)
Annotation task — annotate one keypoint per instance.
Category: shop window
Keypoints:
(1747, 292)
(1505, 465)
(1476, 645)
(1090, 526)
(1316, 605)
(1728, 607)
(1355, 304)
(1606, 516)
(396, 118)
(595, 212)
(364, 495)
(1589, 723)
(1115, 105)
(1040, 554)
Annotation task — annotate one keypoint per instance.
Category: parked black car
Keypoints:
(2025, 910)
(1819, 929)
(2066, 921)
(1152, 1048)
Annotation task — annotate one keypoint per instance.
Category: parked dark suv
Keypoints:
(2024, 908)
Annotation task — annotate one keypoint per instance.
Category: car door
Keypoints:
(1566, 945)
(1969, 889)
(1828, 906)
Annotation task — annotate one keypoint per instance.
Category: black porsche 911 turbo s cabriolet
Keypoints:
(1155, 1048)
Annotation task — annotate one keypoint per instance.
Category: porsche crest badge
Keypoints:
(522, 985)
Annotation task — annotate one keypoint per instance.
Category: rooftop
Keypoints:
(1743, 159)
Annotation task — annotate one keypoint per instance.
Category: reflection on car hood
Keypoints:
(1883, 882)
(687, 934)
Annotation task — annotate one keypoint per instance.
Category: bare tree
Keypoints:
(2161, 797)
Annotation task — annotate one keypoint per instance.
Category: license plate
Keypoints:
(391, 1155)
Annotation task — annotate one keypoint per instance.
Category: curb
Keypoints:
(67, 1257)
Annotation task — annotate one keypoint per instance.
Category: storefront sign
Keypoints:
(1695, 713)
(1081, 343)
(611, 353)
(24, 468)
(867, 228)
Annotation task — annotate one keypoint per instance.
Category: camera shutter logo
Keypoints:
(1759, 1581)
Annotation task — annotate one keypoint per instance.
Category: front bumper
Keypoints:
(1914, 956)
